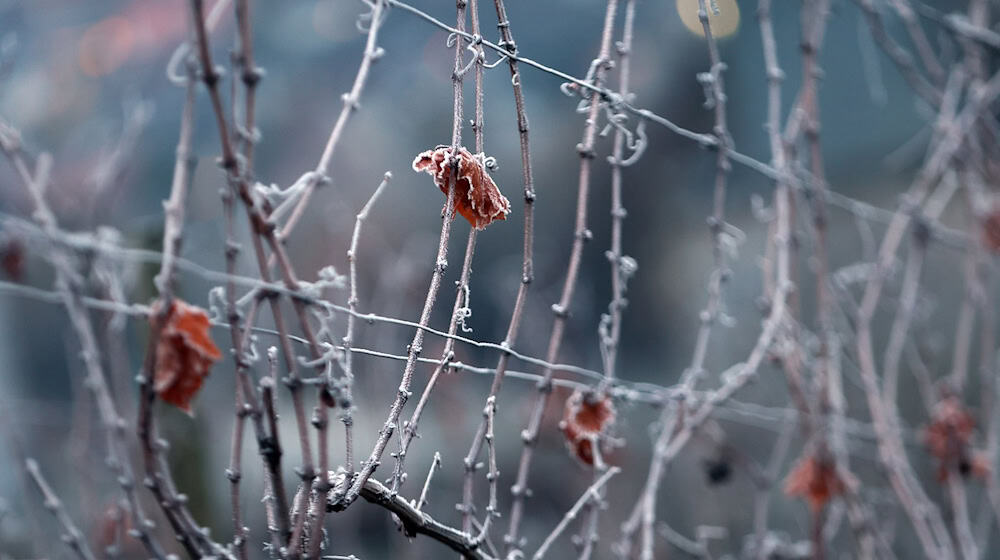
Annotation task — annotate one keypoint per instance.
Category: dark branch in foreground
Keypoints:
(414, 521)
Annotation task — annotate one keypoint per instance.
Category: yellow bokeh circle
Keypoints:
(723, 24)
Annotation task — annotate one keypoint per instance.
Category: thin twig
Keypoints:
(352, 101)
(414, 521)
(441, 263)
(321, 422)
(589, 495)
(71, 536)
(435, 465)
(561, 309)
(447, 354)
(264, 229)
(347, 416)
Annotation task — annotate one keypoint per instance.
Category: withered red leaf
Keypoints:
(586, 418)
(12, 257)
(991, 229)
(477, 197)
(949, 438)
(815, 480)
(184, 354)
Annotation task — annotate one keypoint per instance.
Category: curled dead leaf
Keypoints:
(949, 438)
(184, 353)
(586, 418)
(477, 197)
(815, 480)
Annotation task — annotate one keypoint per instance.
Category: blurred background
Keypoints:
(86, 81)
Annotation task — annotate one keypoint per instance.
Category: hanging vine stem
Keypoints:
(351, 102)
(527, 275)
(622, 266)
(447, 355)
(441, 263)
(561, 309)
(73, 538)
(347, 416)
(264, 230)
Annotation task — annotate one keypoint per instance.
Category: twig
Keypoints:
(435, 465)
(441, 262)
(320, 421)
(414, 521)
(447, 354)
(721, 130)
(71, 536)
(264, 229)
(492, 507)
(561, 309)
(347, 416)
(964, 327)
(622, 268)
(590, 494)
(158, 476)
(351, 102)
(899, 56)
(686, 545)
(960, 510)
(619, 267)
(913, 28)
(235, 473)
(470, 462)
(901, 324)
(762, 494)
(245, 405)
(271, 451)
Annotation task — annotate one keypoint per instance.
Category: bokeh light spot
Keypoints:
(724, 24)
(105, 46)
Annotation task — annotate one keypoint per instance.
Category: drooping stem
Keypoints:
(441, 263)
(561, 309)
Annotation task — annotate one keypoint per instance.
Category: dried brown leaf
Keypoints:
(586, 418)
(815, 480)
(477, 197)
(991, 229)
(949, 438)
(184, 354)
(12, 258)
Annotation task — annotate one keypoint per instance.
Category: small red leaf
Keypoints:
(12, 258)
(184, 354)
(949, 438)
(991, 229)
(814, 480)
(585, 419)
(477, 197)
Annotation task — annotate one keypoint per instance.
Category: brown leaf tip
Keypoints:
(586, 418)
(815, 480)
(184, 353)
(477, 197)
